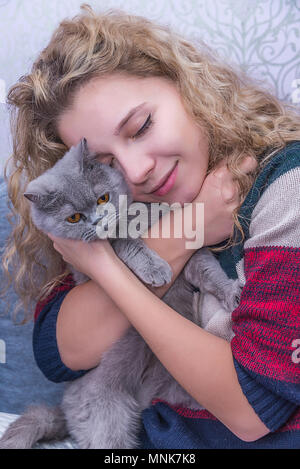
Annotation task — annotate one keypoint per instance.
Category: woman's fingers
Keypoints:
(248, 164)
(230, 192)
(229, 187)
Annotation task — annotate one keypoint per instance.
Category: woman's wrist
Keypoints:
(172, 249)
(158, 324)
(172, 239)
(103, 263)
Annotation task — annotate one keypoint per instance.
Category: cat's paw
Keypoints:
(197, 270)
(231, 301)
(156, 273)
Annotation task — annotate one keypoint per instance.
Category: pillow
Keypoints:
(21, 381)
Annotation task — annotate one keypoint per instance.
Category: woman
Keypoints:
(178, 124)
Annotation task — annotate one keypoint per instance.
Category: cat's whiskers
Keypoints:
(90, 233)
(87, 235)
(112, 218)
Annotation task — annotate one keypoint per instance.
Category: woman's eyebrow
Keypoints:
(127, 117)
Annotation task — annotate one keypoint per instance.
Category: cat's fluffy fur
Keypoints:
(103, 408)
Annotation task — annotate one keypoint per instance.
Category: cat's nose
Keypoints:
(97, 219)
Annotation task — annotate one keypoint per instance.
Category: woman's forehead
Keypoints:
(107, 102)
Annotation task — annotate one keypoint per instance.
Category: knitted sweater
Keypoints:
(266, 324)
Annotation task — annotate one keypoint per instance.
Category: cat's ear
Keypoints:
(84, 147)
(82, 153)
(41, 200)
(32, 197)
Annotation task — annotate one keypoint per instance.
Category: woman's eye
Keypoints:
(146, 126)
(140, 132)
(74, 218)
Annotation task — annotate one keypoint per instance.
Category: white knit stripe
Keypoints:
(240, 270)
(275, 219)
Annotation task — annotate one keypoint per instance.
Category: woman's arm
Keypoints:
(89, 321)
(201, 362)
(212, 381)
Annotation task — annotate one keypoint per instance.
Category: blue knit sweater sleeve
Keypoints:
(45, 347)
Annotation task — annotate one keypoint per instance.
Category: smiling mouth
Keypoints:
(167, 182)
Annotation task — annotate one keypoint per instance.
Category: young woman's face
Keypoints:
(140, 126)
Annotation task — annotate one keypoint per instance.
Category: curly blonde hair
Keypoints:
(239, 117)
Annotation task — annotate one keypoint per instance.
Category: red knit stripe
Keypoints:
(67, 284)
(185, 412)
(293, 423)
(267, 321)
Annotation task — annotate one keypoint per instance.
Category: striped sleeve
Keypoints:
(45, 347)
(267, 321)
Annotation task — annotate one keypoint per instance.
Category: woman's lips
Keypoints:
(168, 184)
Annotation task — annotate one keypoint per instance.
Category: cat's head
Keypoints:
(67, 198)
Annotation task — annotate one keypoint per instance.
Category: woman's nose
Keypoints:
(137, 167)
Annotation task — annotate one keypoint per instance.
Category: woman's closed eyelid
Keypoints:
(148, 122)
(146, 125)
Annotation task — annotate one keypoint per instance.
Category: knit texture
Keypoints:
(266, 324)
(45, 347)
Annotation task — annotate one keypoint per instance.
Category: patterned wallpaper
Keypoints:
(260, 35)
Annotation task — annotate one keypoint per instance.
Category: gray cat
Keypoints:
(103, 408)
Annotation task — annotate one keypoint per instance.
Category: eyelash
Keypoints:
(145, 127)
(147, 124)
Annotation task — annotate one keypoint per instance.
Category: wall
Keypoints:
(260, 35)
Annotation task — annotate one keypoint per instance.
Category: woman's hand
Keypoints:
(220, 196)
(84, 257)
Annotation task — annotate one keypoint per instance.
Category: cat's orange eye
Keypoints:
(74, 218)
(103, 199)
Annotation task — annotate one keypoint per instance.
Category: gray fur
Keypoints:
(103, 408)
